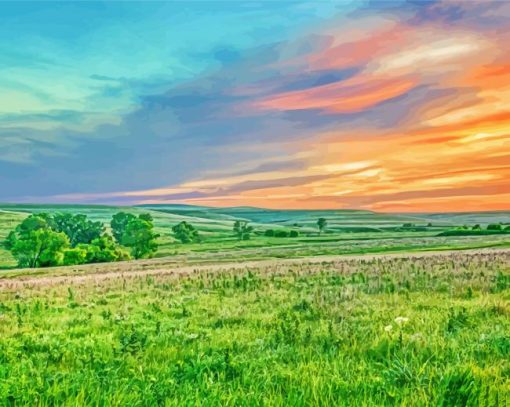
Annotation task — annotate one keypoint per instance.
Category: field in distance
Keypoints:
(347, 232)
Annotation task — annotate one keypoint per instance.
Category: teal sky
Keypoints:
(84, 63)
(397, 105)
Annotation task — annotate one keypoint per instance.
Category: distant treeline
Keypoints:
(492, 229)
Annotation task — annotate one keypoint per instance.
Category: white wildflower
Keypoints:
(388, 328)
(401, 321)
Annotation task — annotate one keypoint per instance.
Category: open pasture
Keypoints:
(429, 329)
(348, 231)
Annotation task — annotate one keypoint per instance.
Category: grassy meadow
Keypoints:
(382, 330)
(348, 231)
(368, 313)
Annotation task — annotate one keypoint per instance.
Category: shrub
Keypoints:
(281, 233)
(75, 256)
(294, 233)
(104, 249)
(269, 233)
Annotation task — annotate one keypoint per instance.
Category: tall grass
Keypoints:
(410, 332)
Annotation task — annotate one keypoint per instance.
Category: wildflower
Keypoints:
(401, 321)
(388, 328)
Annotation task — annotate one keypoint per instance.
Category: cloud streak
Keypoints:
(400, 108)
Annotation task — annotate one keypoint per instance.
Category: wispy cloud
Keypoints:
(404, 107)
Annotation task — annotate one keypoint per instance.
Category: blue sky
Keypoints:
(70, 69)
(228, 103)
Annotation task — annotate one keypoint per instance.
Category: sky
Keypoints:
(394, 106)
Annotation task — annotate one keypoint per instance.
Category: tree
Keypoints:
(322, 223)
(281, 233)
(119, 223)
(78, 228)
(242, 230)
(103, 250)
(34, 244)
(494, 226)
(40, 248)
(139, 236)
(185, 232)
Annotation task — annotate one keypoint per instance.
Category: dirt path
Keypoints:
(139, 269)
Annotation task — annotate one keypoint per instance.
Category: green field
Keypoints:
(368, 313)
(408, 331)
(348, 232)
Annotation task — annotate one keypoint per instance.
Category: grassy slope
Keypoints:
(306, 334)
(375, 231)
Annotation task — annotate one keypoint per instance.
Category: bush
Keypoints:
(281, 233)
(104, 249)
(75, 256)
(269, 233)
(494, 226)
(294, 233)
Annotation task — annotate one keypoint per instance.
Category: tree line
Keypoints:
(45, 239)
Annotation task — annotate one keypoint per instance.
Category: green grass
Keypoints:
(296, 333)
(349, 231)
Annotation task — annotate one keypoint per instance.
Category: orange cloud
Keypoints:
(449, 151)
(344, 97)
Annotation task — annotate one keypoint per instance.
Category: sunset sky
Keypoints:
(387, 106)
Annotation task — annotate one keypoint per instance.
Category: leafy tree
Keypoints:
(139, 236)
(103, 250)
(185, 232)
(40, 248)
(147, 217)
(269, 232)
(10, 240)
(42, 240)
(322, 223)
(78, 228)
(242, 230)
(34, 244)
(494, 226)
(75, 256)
(32, 223)
(119, 223)
(294, 233)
